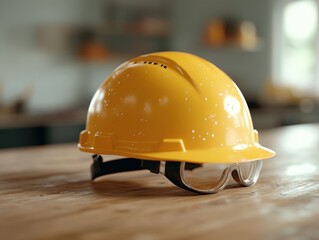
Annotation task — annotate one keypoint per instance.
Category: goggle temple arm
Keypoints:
(100, 168)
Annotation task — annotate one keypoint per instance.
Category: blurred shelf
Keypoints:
(131, 29)
(229, 48)
(265, 118)
(34, 120)
(31, 129)
(39, 129)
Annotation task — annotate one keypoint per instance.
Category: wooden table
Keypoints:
(46, 193)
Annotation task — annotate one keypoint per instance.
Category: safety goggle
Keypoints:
(199, 178)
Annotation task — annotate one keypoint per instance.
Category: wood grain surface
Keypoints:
(46, 193)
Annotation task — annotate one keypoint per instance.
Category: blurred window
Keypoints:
(297, 58)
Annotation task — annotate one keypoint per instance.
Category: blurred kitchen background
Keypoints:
(55, 53)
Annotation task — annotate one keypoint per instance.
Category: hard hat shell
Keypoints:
(171, 106)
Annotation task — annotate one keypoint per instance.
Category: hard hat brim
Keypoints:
(213, 155)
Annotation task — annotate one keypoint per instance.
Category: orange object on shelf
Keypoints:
(229, 32)
(94, 51)
(215, 33)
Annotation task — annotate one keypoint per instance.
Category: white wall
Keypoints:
(60, 82)
(56, 81)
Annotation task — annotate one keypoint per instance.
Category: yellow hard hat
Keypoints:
(171, 113)
(171, 106)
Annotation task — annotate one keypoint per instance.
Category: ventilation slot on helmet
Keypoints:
(152, 63)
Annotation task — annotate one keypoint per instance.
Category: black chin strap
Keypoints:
(172, 169)
(100, 168)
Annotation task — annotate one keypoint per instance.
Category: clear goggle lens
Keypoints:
(213, 177)
(204, 176)
(246, 170)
